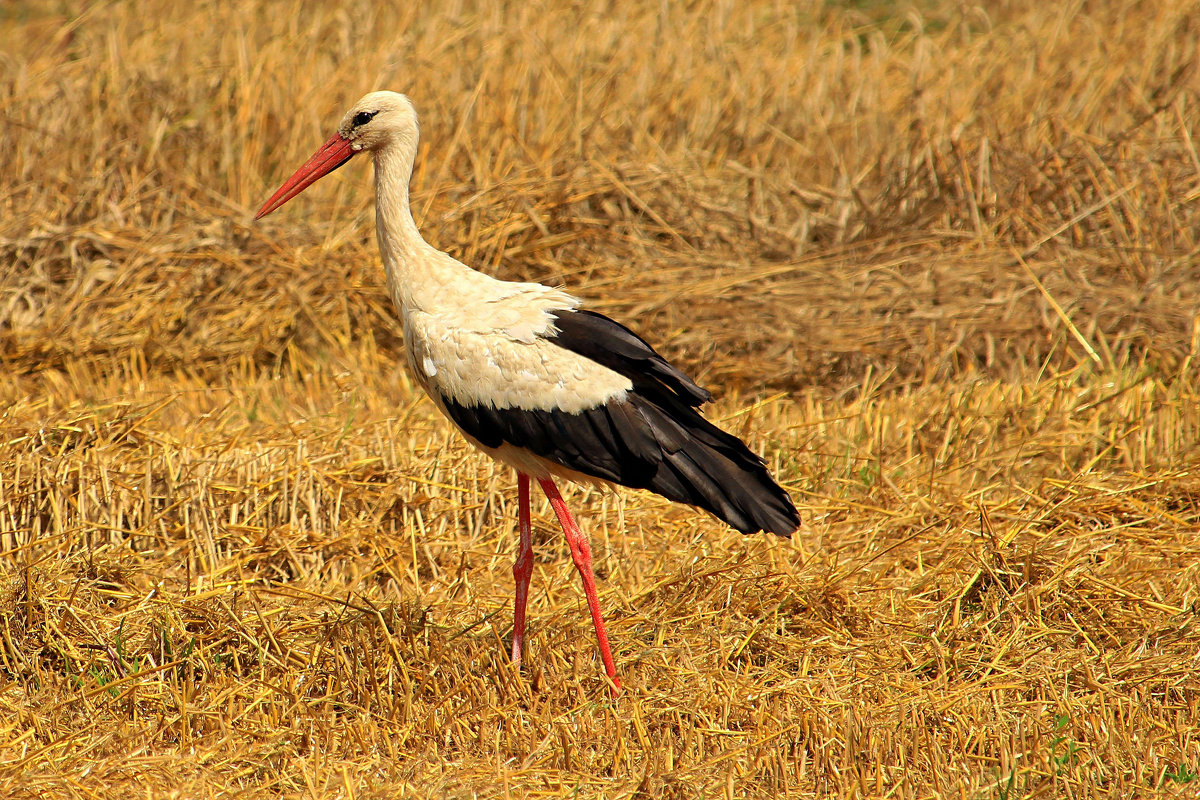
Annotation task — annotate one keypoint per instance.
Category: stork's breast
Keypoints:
(492, 369)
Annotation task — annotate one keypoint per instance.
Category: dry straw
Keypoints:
(939, 262)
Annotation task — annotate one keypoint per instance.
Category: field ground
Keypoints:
(938, 261)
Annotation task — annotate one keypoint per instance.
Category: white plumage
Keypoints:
(509, 365)
(534, 381)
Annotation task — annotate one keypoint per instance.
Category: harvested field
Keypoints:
(939, 263)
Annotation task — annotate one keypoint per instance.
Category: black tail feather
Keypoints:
(706, 467)
(646, 442)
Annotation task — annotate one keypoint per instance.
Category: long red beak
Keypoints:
(333, 154)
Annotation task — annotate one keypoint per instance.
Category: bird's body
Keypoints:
(536, 382)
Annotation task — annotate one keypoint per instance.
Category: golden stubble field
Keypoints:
(938, 261)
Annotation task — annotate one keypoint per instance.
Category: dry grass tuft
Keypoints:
(940, 263)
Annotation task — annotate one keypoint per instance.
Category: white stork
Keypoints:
(536, 382)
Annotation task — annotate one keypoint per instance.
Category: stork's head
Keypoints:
(377, 120)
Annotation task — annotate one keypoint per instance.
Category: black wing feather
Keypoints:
(652, 439)
(610, 343)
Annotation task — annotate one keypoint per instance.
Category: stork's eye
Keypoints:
(362, 118)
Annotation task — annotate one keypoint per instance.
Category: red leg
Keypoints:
(522, 567)
(581, 554)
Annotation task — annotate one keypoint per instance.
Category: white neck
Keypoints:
(416, 272)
